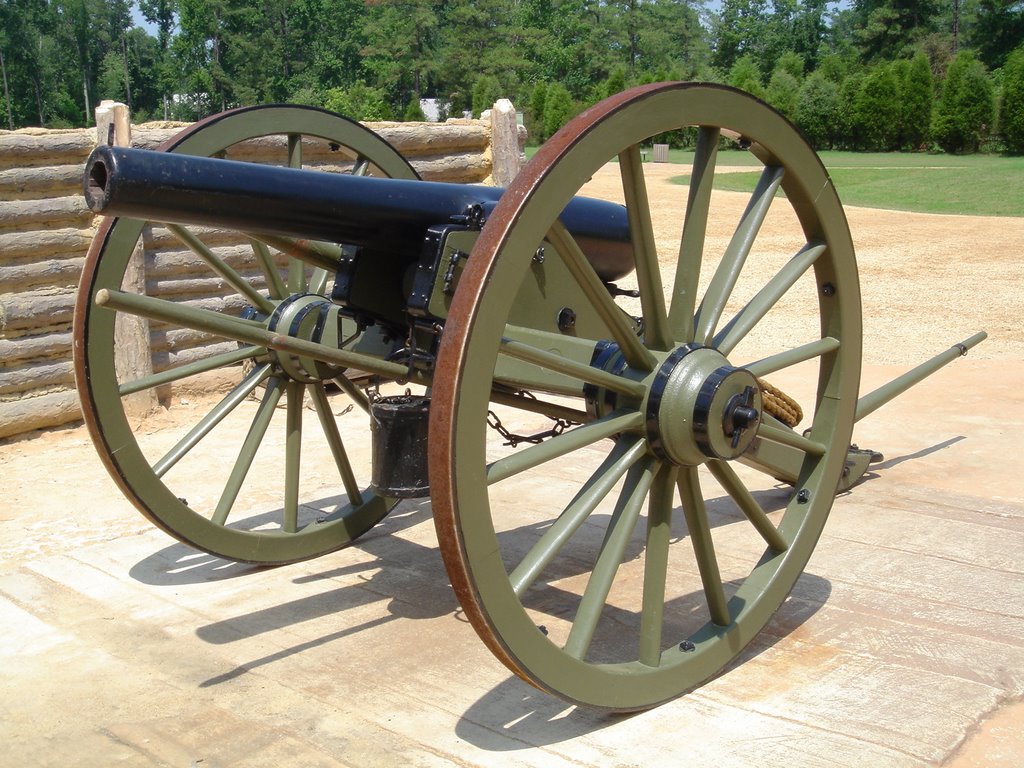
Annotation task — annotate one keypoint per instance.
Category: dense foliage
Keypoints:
(862, 74)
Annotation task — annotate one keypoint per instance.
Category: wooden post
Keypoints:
(132, 356)
(113, 124)
(504, 143)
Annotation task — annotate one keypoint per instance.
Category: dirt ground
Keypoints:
(89, 638)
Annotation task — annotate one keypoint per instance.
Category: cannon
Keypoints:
(621, 498)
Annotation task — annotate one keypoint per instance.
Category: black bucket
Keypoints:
(398, 428)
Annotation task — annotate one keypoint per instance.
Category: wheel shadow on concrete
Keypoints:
(181, 564)
(516, 716)
(411, 579)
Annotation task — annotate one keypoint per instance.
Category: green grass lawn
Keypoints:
(975, 185)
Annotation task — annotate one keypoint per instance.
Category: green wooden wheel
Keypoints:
(297, 509)
(648, 576)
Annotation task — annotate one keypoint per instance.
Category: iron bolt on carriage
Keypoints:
(504, 310)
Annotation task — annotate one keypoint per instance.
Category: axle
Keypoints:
(378, 213)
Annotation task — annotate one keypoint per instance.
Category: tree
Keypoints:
(414, 112)
(1011, 116)
(782, 92)
(998, 29)
(486, 91)
(198, 53)
(535, 112)
(358, 102)
(791, 62)
(19, 62)
(558, 109)
(888, 28)
(963, 115)
(817, 111)
(916, 99)
(848, 124)
(739, 29)
(400, 54)
(809, 30)
(161, 14)
(746, 76)
(878, 110)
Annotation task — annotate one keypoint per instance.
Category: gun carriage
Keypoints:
(619, 591)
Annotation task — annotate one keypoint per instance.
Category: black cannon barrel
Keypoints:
(341, 208)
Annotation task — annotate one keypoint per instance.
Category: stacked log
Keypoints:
(45, 231)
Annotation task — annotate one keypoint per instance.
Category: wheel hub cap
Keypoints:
(701, 407)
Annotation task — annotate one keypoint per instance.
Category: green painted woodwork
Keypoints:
(555, 606)
(619, 590)
(300, 366)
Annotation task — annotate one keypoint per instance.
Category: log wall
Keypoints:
(46, 228)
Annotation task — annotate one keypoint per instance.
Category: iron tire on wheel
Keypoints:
(480, 552)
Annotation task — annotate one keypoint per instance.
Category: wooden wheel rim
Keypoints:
(462, 512)
(93, 349)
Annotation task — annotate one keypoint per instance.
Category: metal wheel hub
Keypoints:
(700, 407)
(312, 318)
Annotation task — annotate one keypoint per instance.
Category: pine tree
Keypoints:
(1011, 114)
(817, 111)
(963, 115)
(916, 99)
(558, 109)
(878, 110)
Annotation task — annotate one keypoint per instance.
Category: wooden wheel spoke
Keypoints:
(229, 402)
(179, 372)
(318, 280)
(295, 392)
(737, 328)
(335, 443)
(296, 268)
(619, 324)
(181, 314)
(697, 522)
(623, 522)
(638, 209)
(568, 367)
(625, 453)
(794, 356)
(262, 284)
(245, 331)
(728, 271)
(222, 268)
(247, 453)
(624, 636)
(779, 433)
(562, 445)
(275, 285)
(659, 535)
(691, 246)
(730, 481)
(296, 276)
(294, 150)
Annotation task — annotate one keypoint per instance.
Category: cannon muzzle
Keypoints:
(382, 213)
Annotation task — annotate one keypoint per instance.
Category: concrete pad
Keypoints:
(903, 639)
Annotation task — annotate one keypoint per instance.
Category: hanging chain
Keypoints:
(514, 440)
